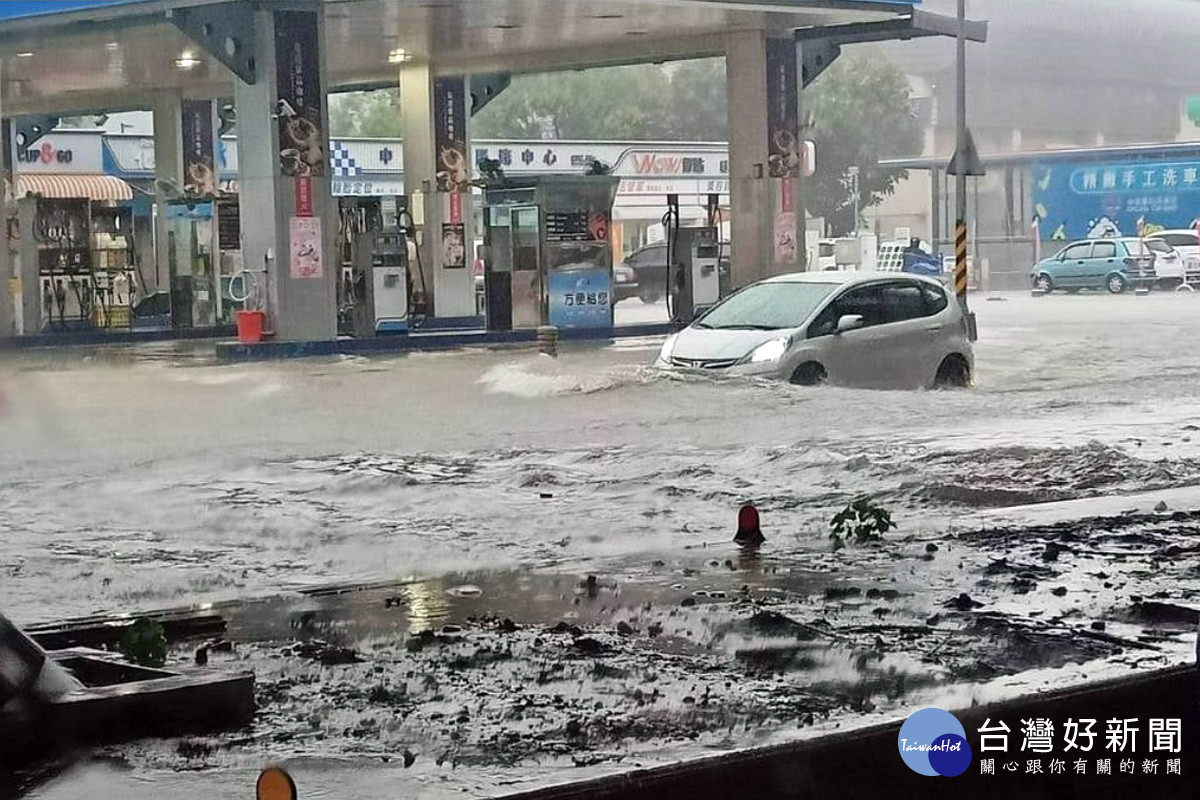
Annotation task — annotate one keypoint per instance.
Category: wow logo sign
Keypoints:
(933, 742)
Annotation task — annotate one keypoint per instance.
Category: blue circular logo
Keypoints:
(933, 742)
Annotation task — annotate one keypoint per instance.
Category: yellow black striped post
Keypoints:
(960, 260)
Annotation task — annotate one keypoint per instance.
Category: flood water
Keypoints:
(147, 477)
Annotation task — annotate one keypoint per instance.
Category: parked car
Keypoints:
(826, 258)
(650, 264)
(1113, 264)
(625, 283)
(1186, 242)
(879, 330)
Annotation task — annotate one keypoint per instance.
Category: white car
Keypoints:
(1169, 264)
(826, 254)
(1186, 242)
(875, 330)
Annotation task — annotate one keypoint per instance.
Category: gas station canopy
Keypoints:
(82, 56)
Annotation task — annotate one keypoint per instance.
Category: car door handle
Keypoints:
(937, 327)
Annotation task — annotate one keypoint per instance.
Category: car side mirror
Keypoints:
(849, 322)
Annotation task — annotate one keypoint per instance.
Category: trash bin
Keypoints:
(250, 326)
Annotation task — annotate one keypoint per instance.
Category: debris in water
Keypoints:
(588, 645)
(465, 590)
(1059, 591)
(325, 653)
(963, 603)
(1023, 585)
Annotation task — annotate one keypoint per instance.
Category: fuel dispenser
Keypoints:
(693, 265)
(80, 262)
(547, 253)
(383, 267)
(377, 292)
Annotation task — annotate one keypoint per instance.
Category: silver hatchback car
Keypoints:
(875, 330)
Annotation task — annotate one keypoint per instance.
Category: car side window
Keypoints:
(1077, 251)
(865, 301)
(935, 299)
(1104, 250)
(903, 301)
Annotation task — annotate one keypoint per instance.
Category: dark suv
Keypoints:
(649, 263)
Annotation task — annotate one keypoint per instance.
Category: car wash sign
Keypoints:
(1077, 200)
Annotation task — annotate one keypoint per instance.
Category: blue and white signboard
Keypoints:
(580, 298)
(14, 9)
(1080, 200)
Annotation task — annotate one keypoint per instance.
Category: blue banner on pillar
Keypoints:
(199, 156)
(450, 128)
(298, 65)
(783, 110)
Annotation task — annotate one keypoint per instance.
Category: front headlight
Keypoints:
(769, 351)
(668, 347)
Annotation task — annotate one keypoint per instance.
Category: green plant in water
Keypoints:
(144, 643)
(860, 521)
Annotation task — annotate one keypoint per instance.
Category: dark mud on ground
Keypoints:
(502, 671)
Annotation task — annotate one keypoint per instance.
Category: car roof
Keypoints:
(1175, 232)
(845, 277)
(1108, 239)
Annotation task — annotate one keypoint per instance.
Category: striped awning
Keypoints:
(93, 187)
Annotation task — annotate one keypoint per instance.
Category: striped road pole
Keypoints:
(960, 278)
(960, 262)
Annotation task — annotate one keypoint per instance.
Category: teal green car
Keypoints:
(1112, 264)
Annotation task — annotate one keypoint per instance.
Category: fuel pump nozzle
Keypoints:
(670, 223)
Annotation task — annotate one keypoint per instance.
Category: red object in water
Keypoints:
(250, 326)
(749, 532)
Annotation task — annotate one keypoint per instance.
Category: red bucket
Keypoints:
(250, 326)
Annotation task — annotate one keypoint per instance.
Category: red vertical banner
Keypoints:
(785, 196)
(456, 208)
(304, 196)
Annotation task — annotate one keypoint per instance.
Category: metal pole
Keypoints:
(960, 192)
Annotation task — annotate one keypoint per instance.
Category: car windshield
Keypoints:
(1180, 239)
(768, 306)
(1157, 245)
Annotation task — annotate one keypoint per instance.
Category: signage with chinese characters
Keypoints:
(298, 108)
(13, 9)
(522, 158)
(450, 124)
(1043, 746)
(307, 260)
(580, 298)
(199, 156)
(366, 188)
(1077, 200)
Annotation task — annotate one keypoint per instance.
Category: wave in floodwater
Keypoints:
(547, 377)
